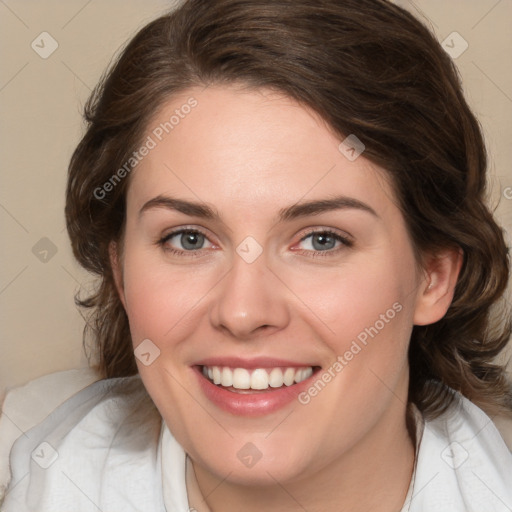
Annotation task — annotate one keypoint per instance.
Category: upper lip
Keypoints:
(257, 362)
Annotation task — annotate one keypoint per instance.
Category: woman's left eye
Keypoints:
(325, 241)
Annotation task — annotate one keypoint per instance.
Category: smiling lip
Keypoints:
(251, 403)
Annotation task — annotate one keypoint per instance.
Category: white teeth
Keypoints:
(258, 379)
(275, 379)
(289, 376)
(227, 377)
(307, 373)
(303, 374)
(241, 378)
(216, 375)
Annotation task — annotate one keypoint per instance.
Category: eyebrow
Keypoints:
(289, 213)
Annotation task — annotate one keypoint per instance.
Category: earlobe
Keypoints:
(435, 293)
(117, 270)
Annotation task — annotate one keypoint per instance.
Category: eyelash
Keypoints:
(345, 241)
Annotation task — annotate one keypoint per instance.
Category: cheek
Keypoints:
(362, 296)
(366, 309)
(158, 296)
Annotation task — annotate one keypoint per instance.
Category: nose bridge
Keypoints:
(249, 297)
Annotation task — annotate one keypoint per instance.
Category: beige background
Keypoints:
(41, 102)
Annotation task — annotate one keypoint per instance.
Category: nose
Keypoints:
(249, 301)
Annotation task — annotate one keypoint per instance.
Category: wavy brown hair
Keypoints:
(367, 67)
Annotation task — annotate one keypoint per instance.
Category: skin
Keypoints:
(248, 154)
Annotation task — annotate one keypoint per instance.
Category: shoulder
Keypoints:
(463, 463)
(26, 406)
(90, 450)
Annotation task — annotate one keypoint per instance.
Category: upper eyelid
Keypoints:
(309, 231)
(339, 232)
(176, 231)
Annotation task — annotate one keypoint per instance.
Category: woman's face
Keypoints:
(258, 251)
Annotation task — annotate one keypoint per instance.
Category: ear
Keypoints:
(117, 269)
(435, 293)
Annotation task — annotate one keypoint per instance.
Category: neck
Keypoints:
(373, 476)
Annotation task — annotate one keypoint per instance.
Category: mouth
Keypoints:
(244, 380)
(253, 388)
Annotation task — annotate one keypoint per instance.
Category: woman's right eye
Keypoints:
(184, 241)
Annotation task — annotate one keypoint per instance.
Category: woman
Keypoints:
(284, 203)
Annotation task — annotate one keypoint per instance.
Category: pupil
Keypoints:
(323, 241)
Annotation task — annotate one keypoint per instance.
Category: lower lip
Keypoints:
(251, 404)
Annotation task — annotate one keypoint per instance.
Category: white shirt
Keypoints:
(107, 449)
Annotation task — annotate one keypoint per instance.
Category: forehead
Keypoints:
(254, 147)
